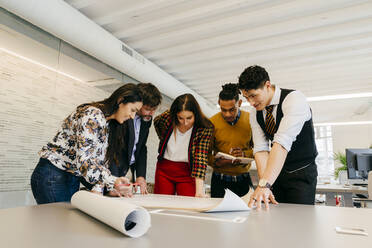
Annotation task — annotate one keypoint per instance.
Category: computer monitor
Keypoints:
(359, 163)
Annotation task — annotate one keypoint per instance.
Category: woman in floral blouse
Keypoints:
(89, 140)
(185, 136)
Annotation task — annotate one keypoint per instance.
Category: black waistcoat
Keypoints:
(303, 150)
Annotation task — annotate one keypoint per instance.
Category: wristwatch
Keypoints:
(263, 183)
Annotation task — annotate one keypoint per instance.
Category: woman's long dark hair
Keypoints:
(128, 93)
(187, 102)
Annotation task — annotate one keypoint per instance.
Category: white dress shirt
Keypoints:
(178, 146)
(296, 111)
(137, 128)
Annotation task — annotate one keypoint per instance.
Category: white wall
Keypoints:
(34, 100)
(33, 103)
(358, 136)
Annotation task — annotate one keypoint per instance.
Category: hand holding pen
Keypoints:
(123, 187)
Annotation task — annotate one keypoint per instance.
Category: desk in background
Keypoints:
(332, 190)
(285, 225)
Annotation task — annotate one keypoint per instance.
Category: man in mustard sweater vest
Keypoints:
(232, 134)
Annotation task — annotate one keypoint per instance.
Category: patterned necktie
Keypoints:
(269, 121)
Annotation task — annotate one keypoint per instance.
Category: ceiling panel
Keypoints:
(319, 47)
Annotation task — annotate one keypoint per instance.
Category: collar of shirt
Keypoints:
(136, 117)
(137, 120)
(185, 133)
(137, 126)
(276, 97)
(236, 119)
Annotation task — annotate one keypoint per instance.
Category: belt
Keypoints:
(229, 178)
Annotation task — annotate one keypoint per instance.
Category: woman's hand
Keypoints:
(113, 193)
(122, 187)
(200, 194)
(96, 192)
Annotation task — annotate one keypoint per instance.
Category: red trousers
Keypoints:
(174, 177)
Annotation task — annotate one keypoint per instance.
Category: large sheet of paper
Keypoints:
(231, 202)
(129, 219)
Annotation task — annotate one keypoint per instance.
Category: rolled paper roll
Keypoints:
(129, 219)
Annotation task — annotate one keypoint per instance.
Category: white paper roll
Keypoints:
(129, 219)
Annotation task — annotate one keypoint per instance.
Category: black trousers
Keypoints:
(240, 188)
(296, 186)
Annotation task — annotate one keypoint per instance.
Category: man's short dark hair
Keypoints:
(253, 78)
(150, 94)
(229, 91)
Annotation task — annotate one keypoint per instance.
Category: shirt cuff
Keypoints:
(198, 174)
(263, 148)
(284, 141)
(109, 182)
(98, 188)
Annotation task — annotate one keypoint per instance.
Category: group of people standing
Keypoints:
(101, 141)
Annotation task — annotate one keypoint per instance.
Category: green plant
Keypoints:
(341, 158)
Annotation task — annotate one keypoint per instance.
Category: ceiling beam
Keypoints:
(250, 36)
(192, 16)
(277, 20)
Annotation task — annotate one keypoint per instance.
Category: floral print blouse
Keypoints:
(80, 145)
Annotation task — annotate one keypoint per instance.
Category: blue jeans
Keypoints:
(50, 184)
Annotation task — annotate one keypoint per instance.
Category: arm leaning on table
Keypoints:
(275, 160)
(141, 167)
(91, 136)
(296, 112)
(201, 148)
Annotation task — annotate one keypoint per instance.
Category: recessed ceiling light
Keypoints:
(349, 123)
(37, 63)
(337, 97)
(326, 98)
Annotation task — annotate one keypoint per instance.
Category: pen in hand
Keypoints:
(127, 191)
(126, 184)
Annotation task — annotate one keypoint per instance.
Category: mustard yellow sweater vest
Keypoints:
(227, 136)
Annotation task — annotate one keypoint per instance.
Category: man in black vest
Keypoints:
(136, 134)
(282, 119)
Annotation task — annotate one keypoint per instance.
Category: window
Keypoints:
(324, 160)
